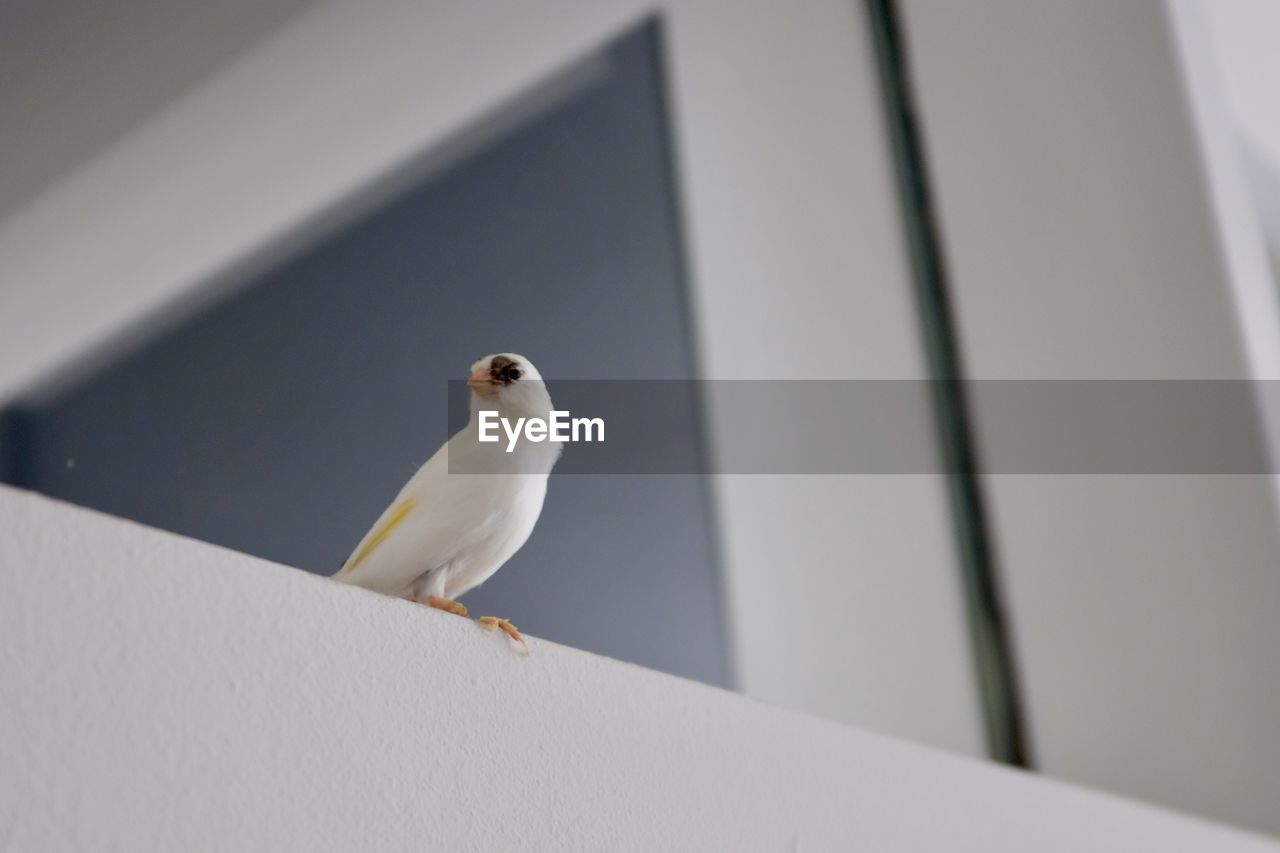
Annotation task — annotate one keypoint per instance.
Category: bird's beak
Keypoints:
(482, 383)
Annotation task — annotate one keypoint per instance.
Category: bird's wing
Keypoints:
(386, 523)
(405, 538)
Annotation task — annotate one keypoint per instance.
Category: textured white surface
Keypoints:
(164, 694)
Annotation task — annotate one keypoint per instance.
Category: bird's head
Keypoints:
(508, 381)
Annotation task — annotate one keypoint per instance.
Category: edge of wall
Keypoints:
(163, 693)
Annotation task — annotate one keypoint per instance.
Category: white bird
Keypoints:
(469, 508)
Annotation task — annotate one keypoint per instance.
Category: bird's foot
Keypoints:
(448, 605)
(491, 623)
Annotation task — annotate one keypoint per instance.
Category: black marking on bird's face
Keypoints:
(504, 370)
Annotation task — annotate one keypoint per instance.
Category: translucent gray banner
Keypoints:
(888, 427)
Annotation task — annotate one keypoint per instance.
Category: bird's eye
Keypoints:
(513, 373)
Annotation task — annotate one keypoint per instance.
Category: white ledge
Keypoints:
(165, 694)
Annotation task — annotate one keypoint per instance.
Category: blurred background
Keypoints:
(245, 245)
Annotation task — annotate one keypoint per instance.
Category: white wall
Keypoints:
(164, 694)
(1244, 55)
(82, 75)
(844, 594)
(1094, 230)
(1240, 32)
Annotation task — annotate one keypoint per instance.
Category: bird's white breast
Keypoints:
(463, 519)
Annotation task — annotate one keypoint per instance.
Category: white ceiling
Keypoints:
(78, 75)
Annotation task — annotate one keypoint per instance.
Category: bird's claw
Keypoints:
(491, 623)
(448, 605)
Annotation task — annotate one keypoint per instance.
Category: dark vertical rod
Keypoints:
(993, 651)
